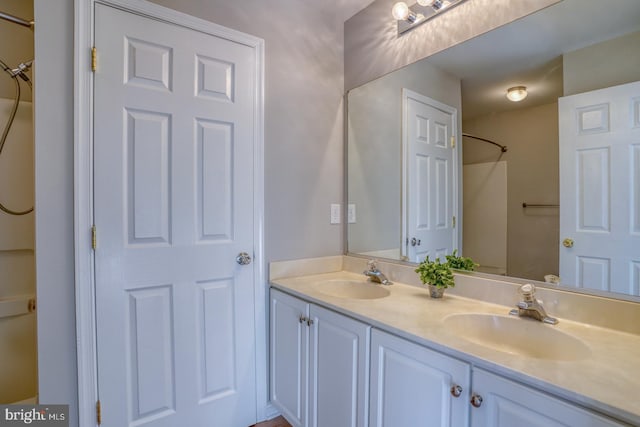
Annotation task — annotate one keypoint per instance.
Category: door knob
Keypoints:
(243, 258)
(567, 243)
(415, 242)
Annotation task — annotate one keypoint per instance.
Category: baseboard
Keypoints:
(269, 412)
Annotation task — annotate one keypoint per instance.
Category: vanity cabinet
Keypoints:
(319, 364)
(328, 369)
(412, 385)
(500, 402)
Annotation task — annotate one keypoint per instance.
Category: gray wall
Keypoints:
(53, 116)
(372, 47)
(374, 150)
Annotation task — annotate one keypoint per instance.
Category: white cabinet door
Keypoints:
(507, 404)
(289, 355)
(338, 377)
(412, 385)
(319, 364)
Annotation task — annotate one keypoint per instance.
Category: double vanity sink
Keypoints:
(590, 366)
(517, 336)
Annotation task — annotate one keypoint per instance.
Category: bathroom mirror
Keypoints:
(527, 212)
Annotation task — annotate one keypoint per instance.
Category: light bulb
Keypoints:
(517, 93)
(400, 11)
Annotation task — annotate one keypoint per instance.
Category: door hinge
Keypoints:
(454, 222)
(98, 412)
(94, 59)
(453, 142)
(94, 237)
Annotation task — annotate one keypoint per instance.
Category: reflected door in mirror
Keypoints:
(600, 189)
(429, 196)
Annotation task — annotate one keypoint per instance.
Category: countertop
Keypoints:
(608, 380)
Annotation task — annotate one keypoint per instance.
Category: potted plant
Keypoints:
(459, 262)
(436, 275)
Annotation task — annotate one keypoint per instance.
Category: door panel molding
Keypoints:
(83, 191)
(434, 166)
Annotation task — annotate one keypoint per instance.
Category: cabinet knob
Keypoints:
(476, 400)
(456, 390)
(302, 318)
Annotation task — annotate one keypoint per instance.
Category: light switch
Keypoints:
(351, 213)
(335, 213)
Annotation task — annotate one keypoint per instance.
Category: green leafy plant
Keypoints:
(435, 273)
(459, 262)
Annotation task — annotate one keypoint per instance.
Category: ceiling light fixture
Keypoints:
(409, 17)
(517, 93)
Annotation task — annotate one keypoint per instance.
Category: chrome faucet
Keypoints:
(376, 275)
(531, 307)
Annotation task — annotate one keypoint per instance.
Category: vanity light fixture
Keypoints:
(402, 12)
(409, 17)
(435, 4)
(517, 93)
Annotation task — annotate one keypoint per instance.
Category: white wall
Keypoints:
(54, 203)
(485, 215)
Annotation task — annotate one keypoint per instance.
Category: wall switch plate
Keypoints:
(351, 213)
(335, 213)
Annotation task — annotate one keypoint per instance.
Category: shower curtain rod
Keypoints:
(502, 147)
(16, 20)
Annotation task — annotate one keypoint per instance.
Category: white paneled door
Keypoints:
(429, 187)
(600, 189)
(174, 160)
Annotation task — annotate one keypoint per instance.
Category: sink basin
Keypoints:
(523, 337)
(352, 289)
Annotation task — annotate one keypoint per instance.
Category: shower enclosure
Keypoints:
(18, 376)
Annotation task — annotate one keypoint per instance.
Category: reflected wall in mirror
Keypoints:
(573, 151)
